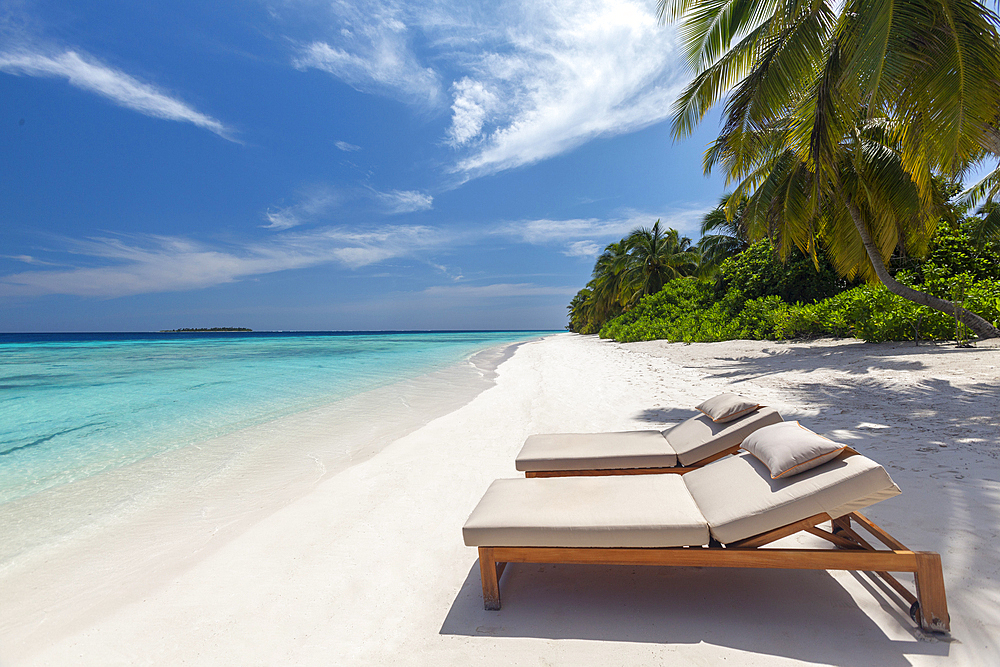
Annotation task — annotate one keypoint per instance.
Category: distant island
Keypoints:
(204, 330)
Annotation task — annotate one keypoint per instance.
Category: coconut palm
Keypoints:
(639, 264)
(580, 319)
(609, 271)
(850, 107)
(656, 256)
(722, 236)
(601, 299)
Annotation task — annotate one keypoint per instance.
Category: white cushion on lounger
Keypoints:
(611, 511)
(789, 448)
(739, 499)
(594, 451)
(700, 437)
(727, 407)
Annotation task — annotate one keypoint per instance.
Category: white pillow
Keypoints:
(727, 407)
(789, 448)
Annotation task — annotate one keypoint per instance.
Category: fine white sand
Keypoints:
(368, 567)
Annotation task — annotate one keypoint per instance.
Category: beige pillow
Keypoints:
(727, 407)
(789, 448)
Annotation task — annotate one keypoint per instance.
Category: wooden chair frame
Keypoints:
(598, 472)
(928, 606)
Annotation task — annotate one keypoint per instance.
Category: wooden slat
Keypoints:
(933, 615)
(778, 533)
(897, 586)
(851, 533)
(888, 578)
(836, 539)
(608, 471)
(793, 559)
(884, 537)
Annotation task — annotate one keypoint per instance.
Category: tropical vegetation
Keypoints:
(638, 265)
(838, 115)
(758, 295)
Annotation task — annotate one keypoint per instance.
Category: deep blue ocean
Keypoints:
(73, 405)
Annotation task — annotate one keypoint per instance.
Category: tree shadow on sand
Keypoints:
(937, 438)
(782, 358)
(803, 615)
(664, 415)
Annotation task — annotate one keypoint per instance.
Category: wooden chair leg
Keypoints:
(932, 607)
(491, 580)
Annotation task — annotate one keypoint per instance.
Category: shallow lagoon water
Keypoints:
(135, 456)
(76, 405)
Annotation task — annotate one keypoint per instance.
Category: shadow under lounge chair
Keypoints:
(717, 516)
(679, 449)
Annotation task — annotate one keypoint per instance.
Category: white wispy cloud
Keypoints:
(316, 204)
(29, 259)
(544, 231)
(147, 263)
(586, 237)
(529, 80)
(369, 49)
(572, 71)
(346, 147)
(87, 73)
(586, 248)
(405, 201)
(454, 275)
(313, 203)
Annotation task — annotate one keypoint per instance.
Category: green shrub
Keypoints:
(685, 311)
(759, 272)
(674, 313)
(953, 252)
(759, 297)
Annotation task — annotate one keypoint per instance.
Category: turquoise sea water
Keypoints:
(73, 405)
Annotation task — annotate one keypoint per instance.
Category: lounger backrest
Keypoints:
(739, 499)
(699, 437)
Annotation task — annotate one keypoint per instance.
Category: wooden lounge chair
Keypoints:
(721, 515)
(687, 446)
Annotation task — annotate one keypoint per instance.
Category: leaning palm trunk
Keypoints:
(980, 326)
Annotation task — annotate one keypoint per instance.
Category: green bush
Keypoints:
(759, 297)
(953, 252)
(759, 272)
(685, 311)
(680, 311)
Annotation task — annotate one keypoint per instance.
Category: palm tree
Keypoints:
(608, 276)
(601, 299)
(639, 264)
(578, 311)
(656, 257)
(722, 236)
(850, 107)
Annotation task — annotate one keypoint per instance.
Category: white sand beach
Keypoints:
(368, 567)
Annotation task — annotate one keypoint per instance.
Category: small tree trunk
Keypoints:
(980, 326)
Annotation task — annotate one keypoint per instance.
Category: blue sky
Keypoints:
(330, 165)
